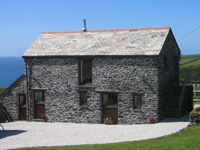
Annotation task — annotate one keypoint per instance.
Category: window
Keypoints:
(85, 71)
(109, 99)
(83, 98)
(22, 99)
(39, 96)
(137, 101)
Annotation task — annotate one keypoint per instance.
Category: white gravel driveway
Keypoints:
(33, 134)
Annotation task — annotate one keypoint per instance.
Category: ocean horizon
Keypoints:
(11, 68)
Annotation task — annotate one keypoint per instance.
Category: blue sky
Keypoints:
(22, 21)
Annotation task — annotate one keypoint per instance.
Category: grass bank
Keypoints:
(187, 139)
(193, 62)
(2, 90)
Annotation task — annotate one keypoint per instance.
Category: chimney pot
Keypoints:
(84, 28)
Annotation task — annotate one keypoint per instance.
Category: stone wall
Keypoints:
(187, 102)
(128, 76)
(2, 117)
(9, 97)
(123, 75)
(168, 77)
(195, 117)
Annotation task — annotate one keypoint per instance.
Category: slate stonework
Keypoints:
(2, 117)
(168, 77)
(9, 97)
(60, 77)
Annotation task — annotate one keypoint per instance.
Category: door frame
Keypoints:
(111, 107)
(39, 102)
(24, 106)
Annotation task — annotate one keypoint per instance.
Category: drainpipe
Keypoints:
(27, 104)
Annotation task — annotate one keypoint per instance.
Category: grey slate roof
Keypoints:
(125, 42)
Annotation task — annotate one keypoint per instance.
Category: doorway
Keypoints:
(110, 107)
(39, 105)
(22, 107)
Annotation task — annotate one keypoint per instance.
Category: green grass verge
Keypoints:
(188, 139)
(194, 103)
(196, 97)
(197, 87)
(1, 90)
(192, 61)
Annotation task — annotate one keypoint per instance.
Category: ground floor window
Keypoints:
(83, 98)
(137, 101)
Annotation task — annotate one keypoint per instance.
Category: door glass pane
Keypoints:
(22, 100)
(39, 96)
(109, 99)
(105, 99)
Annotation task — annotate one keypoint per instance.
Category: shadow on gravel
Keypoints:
(6, 133)
(181, 119)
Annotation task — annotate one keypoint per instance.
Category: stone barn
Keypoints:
(87, 76)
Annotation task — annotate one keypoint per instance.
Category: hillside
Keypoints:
(193, 62)
(2, 90)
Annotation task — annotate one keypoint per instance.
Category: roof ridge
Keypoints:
(155, 28)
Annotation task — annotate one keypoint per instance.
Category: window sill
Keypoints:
(84, 107)
(23, 106)
(40, 102)
(137, 109)
(85, 85)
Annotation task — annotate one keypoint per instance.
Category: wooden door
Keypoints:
(39, 105)
(22, 107)
(110, 107)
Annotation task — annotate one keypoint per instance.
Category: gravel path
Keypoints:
(33, 134)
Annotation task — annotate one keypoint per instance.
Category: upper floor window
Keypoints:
(85, 71)
(137, 101)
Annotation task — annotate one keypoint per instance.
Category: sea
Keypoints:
(11, 68)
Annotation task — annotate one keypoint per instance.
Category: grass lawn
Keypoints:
(188, 139)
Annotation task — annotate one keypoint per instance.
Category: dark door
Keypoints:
(39, 105)
(22, 107)
(110, 107)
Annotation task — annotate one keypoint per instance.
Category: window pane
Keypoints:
(85, 71)
(83, 98)
(39, 96)
(105, 99)
(109, 99)
(137, 101)
(22, 100)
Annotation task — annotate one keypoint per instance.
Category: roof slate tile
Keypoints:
(103, 43)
